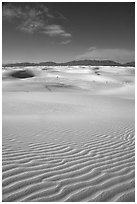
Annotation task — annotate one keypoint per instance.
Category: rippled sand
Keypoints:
(69, 139)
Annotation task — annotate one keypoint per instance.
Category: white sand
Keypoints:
(69, 138)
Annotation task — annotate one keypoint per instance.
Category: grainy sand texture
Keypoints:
(68, 135)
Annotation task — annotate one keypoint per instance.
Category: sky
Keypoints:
(65, 31)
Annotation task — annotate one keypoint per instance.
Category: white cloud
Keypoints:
(55, 30)
(31, 26)
(10, 10)
(61, 16)
(29, 18)
(34, 19)
(66, 34)
(65, 42)
(119, 55)
(92, 48)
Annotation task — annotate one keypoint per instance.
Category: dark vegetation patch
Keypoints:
(97, 73)
(22, 74)
(45, 69)
(96, 68)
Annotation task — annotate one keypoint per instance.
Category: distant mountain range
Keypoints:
(72, 63)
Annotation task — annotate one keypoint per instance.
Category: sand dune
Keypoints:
(72, 142)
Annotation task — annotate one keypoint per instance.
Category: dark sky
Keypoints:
(36, 32)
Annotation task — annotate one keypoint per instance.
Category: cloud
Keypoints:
(13, 11)
(33, 18)
(30, 26)
(9, 12)
(92, 48)
(61, 16)
(30, 19)
(119, 55)
(55, 30)
(65, 42)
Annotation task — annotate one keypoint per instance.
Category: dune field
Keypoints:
(68, 134)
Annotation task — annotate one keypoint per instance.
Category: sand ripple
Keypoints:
(78, 162)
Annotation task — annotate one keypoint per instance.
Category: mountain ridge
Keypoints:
(72, 63)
